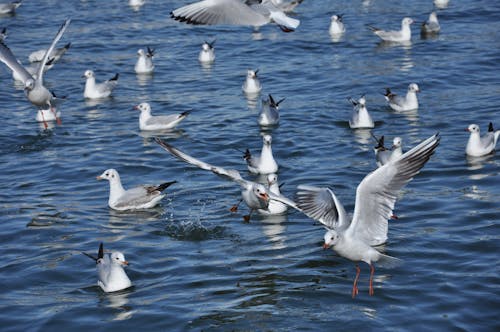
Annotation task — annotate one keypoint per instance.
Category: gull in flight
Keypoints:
(270, 113)
(403, 35)
(336, 25)
(384, 155)
(235, 12)
(34, 89)
(360, 118)
(252, 84)
(375, 199)
(9, 8)
(207, 53)
(160, 122)
(431, 26)
(406, 103)
(478, 146)
(256, 196)
(144, 64)
(141, 197)
(265, 163)
(95, 90)
(112, 276)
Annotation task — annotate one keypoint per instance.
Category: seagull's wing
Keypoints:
(136, 197)
(268, 9)
(284, 200)
(231, 173)
(322, 205)
(219, 12)
(377, 193)
(10, 61)
(50, 49)
(487, 140)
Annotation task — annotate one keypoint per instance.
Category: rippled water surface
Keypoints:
(194, 264)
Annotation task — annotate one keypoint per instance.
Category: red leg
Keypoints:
(58, 119)
(355, 284)
(234, 208)
(45, 124)
(372, 271)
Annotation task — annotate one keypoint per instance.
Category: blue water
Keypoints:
(194, 264)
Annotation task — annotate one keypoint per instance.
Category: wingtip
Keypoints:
(100, 254)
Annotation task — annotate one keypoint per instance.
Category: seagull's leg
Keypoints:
(247, 217)
(355, 284)
(372, 270)
(54, 110)
(45, 124)
(234, 208)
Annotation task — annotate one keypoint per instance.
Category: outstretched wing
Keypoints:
(377, 193)
(10, 61)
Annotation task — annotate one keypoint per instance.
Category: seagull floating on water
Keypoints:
(235, 12)
(252, 84)
(431, 26)
(406, 103)
(274, 207)
(112, 276)
(441, 3)
(265, 163)
(207, 53)
(375, 199)
(384, 155)
(144, 64)
(160, 122)
(336, 25)
(255, 195)
(34, 89)
(360, 118)
(95, 90)
(270, 114)
(138, 198)
(9, 8)
(478, 146)
(56, 54)
(403, 35)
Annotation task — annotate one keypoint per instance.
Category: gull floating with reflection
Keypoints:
(406, 103)
(397, 36)
(478, 146)
(159, 122)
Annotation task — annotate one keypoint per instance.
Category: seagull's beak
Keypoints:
(125, 263)
(264, 196)
(467, 129)
(326, 246)
(136, 107)
(99, 177)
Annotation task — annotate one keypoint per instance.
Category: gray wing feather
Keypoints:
(10, 61)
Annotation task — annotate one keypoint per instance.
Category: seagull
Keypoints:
(336, 25)
(141, 197)
(9, 8)
(161, 122)
(274, 207)
(360, 118)
(402, 35)
(56, 54)
(136, 3)
(32, 69)
(144, 64)
(235, 12)
(407, 103)
(270, 115)
(383, 155)
(441, 3)
(256, 196)
(265, 163)
(252, 84)
(95, 90)
(207, 53)
(112, 276)
(478, 146)
(375, 199)
(431, 26)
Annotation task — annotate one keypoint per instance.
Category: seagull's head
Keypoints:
(473, 128)
(433, 17)
(407, 21)
(118, 258)
(29, 84)
(206, 47)
(109, 174)
(362, 100)
(272, 179)
(88, 74)
(413, 87)
(336, 18)
(143, 107)
(141, 52)
(396, 142)
(331, 238)
(267, 139)
(252, 73)
(260, 192)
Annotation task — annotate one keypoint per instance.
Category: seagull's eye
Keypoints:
(113, 176)
(107, 174)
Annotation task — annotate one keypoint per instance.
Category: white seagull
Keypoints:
(252, 84)
(270, 113)
(9, 8)
(112, 276)
(160, 122)
(144, 64)
(32, 69)
(384, 155)
(138, 198)
(431, 26)
(235, 12)
(36, 92)
(403, 35)
(375, 199)
(478, 146)
(336, 25)
(406, 103)
(265, 163)
(255, 195)
(360, 118)
(56, 54)
(207, 53)
(95, 90)
(274, 207)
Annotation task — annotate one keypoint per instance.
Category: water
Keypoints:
(194, 264)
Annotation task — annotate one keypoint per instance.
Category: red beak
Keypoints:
(325, 246)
